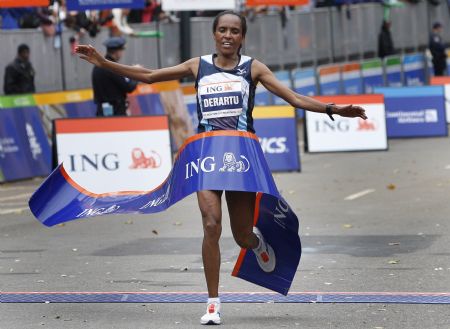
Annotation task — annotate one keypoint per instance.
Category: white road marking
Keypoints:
(12, 211)
(15, 197)
(359, 194)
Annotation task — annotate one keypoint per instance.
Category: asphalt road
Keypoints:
(370, 222)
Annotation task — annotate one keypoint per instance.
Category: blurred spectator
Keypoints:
(385, 44)
(152, 12)
(110, 89)
(19, 74)
(437, 49)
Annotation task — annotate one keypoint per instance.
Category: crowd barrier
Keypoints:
(27, 130)
(415, 111)
(445, 82)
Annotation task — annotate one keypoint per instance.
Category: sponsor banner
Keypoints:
(329, 79)
(448, 62)
(9, 102)
(415, 111)
(351, 79)
(372, 74)
(285, 79)
(80, 109)
(262, 96)
(280, 146)
(277, 2)
(348, 134)
(182, 5)
(393, 70)
(220, 160)
(122, 153)
(414, 69)
(23, 3)
(24, 148)
(64, 97)
(446, 82)
(304, 84)
(78, 5)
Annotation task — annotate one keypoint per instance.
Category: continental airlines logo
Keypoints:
(142, 161)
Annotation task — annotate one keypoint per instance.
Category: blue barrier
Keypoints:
(24, 147)
(414, 70)
(414, 111)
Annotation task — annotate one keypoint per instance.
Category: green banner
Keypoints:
(16, 101)
(371, 64)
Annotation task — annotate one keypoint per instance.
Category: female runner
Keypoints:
(225, 83)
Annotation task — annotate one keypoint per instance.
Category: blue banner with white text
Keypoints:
(414, 111)
(414, 70)
(220, 160)
(24, 147)
(78, 5)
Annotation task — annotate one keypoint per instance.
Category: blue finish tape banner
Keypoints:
(222, 160)
(414, 70)
(24, 147)
(78, 5)
(414, 111)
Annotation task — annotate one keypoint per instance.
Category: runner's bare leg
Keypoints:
(211, 209)
(241, 207)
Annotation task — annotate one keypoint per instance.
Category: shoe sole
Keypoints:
(211, 323)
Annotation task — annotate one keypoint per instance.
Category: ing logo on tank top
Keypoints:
(221, 99)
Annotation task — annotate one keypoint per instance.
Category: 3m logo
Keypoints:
(366, 125)
(141, 161)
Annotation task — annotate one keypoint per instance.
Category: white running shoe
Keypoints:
(264, 253)
(212, 315)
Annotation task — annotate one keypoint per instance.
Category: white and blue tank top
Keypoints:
(225, 98)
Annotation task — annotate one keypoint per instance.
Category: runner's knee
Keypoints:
(212, 228)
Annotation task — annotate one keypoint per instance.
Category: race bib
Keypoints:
(223, 99)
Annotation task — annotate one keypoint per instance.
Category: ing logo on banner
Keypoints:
(141, 161)
(230, 163)
(366, 125)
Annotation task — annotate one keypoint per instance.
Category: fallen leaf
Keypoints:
(62, 224)
(155, 232)
(347, 226)
(391, 187)
(178, 223)
(129, 222)
(394, 261)
(183, 269)
(394, 243)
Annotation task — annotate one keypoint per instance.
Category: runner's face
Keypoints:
(228, 35)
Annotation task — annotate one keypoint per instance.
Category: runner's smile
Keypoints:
(228, 35)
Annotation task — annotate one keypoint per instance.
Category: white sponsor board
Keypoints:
(447, 102)
(131, 158)
(180, 5)
(347, 134)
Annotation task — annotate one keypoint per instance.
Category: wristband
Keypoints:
(329, 110)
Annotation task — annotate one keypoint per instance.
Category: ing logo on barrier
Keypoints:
(366, 125)
(141, 161)
(230, 164)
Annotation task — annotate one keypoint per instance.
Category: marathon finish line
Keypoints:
(219, 160)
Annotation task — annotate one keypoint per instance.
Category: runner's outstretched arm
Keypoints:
(261, 73)
(135, 72)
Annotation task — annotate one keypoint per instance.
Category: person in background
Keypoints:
(385, 44)
(110, 89)
(19, 74)
(437, 49)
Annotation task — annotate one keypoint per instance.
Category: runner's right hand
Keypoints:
(90, 54)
